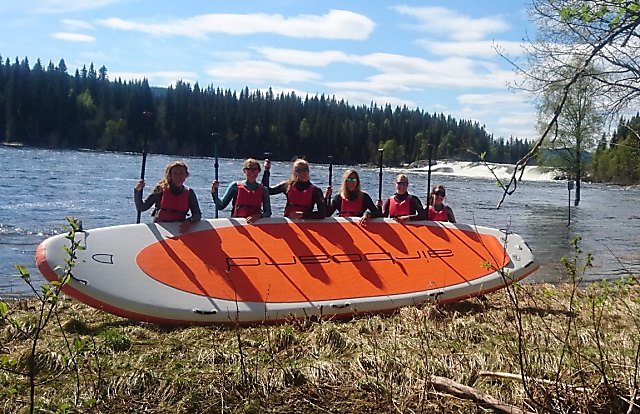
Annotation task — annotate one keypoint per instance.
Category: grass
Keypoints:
(540, 348)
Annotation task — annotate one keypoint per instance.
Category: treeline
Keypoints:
(618, 160)
(48, 107)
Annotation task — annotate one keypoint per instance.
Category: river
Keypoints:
(44, 186)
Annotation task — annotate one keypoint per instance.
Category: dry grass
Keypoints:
(577, 351)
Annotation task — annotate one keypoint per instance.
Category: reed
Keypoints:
(534, 348)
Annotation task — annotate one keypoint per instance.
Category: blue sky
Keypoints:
(434, 55)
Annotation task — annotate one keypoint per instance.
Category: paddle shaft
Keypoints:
(330, 169)
(381, 151)
(430, 151)
(265, 175)
(215, 136)
(148, 116)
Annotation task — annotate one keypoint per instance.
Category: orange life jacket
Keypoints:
(441, 215)
(397, 209)
(248, 202)
(173, 207)
(299, 200)
(351, 208)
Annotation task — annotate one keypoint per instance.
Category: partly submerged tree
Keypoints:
(573, 36)
(576, 128)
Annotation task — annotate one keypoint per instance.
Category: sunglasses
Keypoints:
(351, 180)
(439, 193)
(402, 183)
(301, 170)
(252, 169)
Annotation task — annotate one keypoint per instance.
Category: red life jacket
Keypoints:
(397, 209)
(173, 207)
(248, 202)
(441, 215)
(299, 200)
(351, 208)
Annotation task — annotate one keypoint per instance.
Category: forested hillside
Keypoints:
(617, 160)
(48, 107)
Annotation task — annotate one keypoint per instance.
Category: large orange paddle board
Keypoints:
(228, 271)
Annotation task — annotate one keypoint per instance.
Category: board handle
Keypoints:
(204, 312)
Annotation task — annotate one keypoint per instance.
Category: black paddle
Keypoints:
(430, 151)
(215, 136)
(265, 176)
(380, 150)
(148, 116)
(330, 169)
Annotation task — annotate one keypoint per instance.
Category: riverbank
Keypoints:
(536, 348)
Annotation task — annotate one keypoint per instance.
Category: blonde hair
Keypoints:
(401, 176)
(294, 177)
(249, 162)
(344, 192)
(165, 182)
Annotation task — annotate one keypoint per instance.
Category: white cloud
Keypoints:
(360, 98)
(250, 72)
(485, 49)
(164, 78)
(404, 72)
(492, 99)
(451, 24)
(76, 24)
(337, 24)
(304, 58)
(73, 37)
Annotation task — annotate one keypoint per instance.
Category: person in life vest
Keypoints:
(171, 198)
(351, 201)
(437, 211)
(402, 206)
(304, 200)
(249, 199)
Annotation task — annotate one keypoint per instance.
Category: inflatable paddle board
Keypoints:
(225, 271)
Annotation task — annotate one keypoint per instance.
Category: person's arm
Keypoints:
(194, 207)
(229, 195)
(385, 207)
(266, 175)
(317, 199)
(278, 189)
(266, 201)
(145, 205)
(369, 206)
(336, 204)
(419, 213)
(196, 214)
(450, 216)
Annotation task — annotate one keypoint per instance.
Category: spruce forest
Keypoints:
(48, 107)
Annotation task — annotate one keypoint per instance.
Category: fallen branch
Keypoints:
(519, 377)
(473, 394)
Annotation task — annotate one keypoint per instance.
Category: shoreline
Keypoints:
(452, 358)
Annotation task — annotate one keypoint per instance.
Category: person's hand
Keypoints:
(253, 218)
(296, 215)
(379, 203)
(267, 164)
(364, 219)
(214, 186)
(328, 192)
(401, 219)
(139, 185)
(185, 226)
